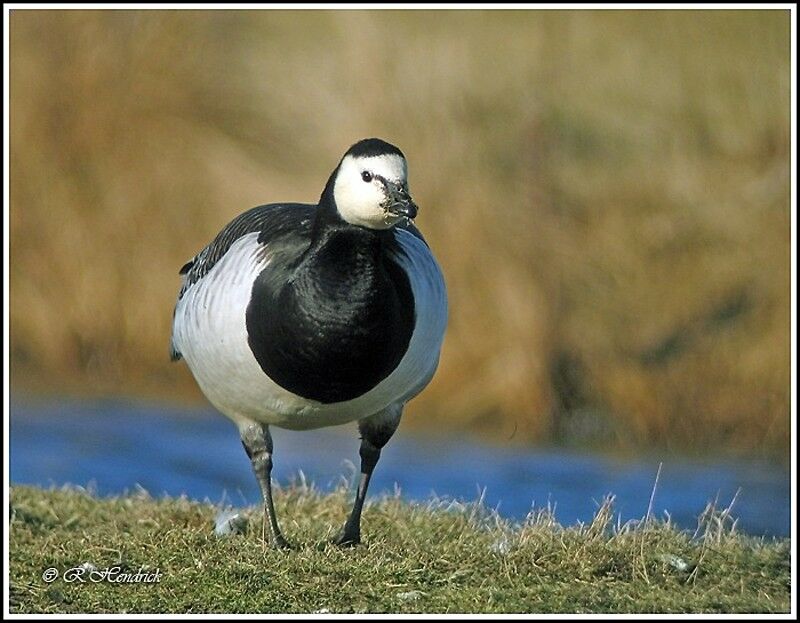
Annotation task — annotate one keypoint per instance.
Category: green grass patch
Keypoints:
(442, 557)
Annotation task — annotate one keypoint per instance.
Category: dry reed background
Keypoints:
(608, 194)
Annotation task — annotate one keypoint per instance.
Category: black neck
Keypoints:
(327, 216)
(338, 245)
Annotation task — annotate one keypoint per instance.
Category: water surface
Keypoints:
(114, 446)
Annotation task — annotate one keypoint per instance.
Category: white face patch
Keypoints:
(364, 202)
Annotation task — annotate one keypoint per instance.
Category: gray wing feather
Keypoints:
(272, 221)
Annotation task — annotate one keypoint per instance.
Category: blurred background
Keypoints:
(608, 193)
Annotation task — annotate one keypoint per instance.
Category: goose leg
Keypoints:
(375, 432)
(257, 442)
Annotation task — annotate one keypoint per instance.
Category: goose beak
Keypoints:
(400, 202)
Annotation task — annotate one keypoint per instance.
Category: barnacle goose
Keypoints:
(303, 316)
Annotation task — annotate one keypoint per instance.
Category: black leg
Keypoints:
(257, 442)
(375, 433)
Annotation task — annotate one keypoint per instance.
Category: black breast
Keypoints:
(337, 321)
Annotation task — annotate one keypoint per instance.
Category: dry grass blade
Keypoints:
(607, 191)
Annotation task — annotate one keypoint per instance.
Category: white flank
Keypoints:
(211, 333)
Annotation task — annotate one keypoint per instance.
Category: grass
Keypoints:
(608, 193)
(438, 558)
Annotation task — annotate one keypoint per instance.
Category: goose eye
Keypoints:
(366, 176)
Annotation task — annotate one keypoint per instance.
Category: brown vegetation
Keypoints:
(608, 194)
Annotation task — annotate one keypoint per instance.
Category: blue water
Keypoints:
(113, 446)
